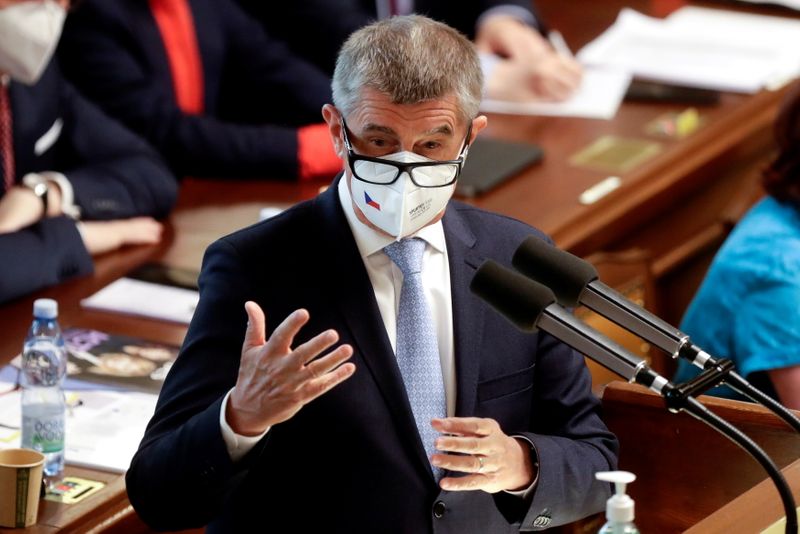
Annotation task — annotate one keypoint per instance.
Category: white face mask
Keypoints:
(400, 208)
(29, 33)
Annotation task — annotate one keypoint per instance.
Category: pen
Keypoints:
(558, 42)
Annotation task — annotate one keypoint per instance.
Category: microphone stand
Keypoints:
(736, 382)
(680, 398)
(530, 305)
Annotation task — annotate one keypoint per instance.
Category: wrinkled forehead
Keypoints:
(376, 112)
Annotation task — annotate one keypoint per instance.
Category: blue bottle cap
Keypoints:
(45, 309)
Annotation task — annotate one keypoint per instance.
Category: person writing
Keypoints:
(748, 306)
(519, 62)
(339, 374)
(73, 182)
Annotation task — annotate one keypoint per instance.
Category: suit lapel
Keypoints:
(353, 294)
(145, 31)
(467, 318)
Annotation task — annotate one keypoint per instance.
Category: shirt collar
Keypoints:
(370, 241)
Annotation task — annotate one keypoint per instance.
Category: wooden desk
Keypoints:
(685, 470)
(674, 206)
(738, 516)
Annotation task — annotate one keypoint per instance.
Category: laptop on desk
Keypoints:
(493, 161)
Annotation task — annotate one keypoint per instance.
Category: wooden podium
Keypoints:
(691, 477)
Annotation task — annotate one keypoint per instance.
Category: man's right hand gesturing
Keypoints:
(274, 380)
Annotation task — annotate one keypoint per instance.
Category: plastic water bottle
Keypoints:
(44, 364)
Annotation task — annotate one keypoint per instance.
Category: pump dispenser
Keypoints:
(619, 508)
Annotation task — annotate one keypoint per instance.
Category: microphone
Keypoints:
(575, 281)
(530, 305)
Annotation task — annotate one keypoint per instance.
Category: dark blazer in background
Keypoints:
(351, 461)
(256, 92)
(114, 174)
(41, 255)
(332, 21)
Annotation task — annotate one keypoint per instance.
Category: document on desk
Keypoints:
(598, 97)
(791, 4)
(697, 47)
(103, 428)
(146, 299)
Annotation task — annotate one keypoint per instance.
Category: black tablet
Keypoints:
(491, 162)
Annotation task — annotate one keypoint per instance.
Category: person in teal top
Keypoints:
(748, 306)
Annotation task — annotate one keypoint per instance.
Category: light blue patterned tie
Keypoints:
(417, 347)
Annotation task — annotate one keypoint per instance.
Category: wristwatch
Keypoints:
(39, 185)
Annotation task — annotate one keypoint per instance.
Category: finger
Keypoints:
(319, 386)
(565, 75)
(281, 339)
(463, 464)
(315, 346)
(567, 78)
(573, 68)
(465, 483)
(326, 364)
(466, 445)
(256, 325)
(465, 426)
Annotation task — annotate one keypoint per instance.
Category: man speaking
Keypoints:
(338, 375)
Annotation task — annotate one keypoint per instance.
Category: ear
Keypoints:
(478, 124)
(334, 121)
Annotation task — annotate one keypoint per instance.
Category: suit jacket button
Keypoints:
(439, 509)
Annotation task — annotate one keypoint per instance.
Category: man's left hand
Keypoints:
(492, 460)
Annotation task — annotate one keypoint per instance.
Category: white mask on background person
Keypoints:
(400, 208)
(29, 33)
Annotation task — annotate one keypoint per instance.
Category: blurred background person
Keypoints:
(204, 84)
(73, 182)
(519, 63)
(748, 306)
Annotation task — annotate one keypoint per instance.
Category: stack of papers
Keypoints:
(598, 97)
(103, 428)
(698, 47)
(791, 4)
(145, 299)
(111, 387)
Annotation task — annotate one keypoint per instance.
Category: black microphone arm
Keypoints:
(530, 305)
(575, 281)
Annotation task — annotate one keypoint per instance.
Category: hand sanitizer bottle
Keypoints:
(619, 508)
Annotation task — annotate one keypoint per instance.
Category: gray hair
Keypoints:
(412, 59)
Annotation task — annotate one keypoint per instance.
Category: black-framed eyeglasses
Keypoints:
(382, 171)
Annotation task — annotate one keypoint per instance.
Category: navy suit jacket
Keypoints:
(256, 92)
(332, 21)
(114, 175)
(351, 461)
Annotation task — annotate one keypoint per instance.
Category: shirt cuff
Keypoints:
(236, 444)
(526, 493)
(518, 12)
(68, 206)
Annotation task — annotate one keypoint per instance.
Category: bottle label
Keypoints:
(47, 435)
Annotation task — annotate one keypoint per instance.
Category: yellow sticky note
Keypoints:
(687, 122)
(615, 155)
(72, 489)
